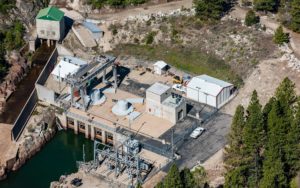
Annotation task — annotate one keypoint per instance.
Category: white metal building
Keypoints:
(162, 103)
(209, 90)
(160, 67)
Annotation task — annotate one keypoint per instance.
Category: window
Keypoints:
(98, 132)
(42, 32)
(70, 121)
(81, 125)
(53, 33)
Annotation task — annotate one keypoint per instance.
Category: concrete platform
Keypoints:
(8, 148)
(84, 36)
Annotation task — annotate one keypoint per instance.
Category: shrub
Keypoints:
(150, 37)
(280, 37)
(251, 18)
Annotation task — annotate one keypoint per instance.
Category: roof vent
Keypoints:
(122, 108)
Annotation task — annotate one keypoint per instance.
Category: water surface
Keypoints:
(58, 157)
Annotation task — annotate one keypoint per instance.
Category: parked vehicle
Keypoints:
(197, 132)
(76, 182)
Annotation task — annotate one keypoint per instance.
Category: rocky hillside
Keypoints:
(23, 10)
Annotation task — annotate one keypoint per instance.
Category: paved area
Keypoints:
(211, 141)
(90, 180)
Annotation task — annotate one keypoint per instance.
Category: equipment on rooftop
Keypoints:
(97, 97)
(122, 108)
(81, 78)
(177, 79)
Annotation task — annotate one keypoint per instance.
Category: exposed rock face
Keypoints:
(25, 11)
(2, 173)
(18, 67)
(31, 146)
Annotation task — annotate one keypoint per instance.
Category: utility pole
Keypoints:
(172, 143)
(59, 84)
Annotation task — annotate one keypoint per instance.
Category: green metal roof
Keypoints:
(50, 13)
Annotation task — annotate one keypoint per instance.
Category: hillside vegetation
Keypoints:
(114, 3)
(264, 141)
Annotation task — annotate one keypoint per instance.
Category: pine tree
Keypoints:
(254, 136)
(266, 5)
(173, 179)
(234, 156)
(267, 109)
(274, 164)
(200, 177)
(280, 37)
(286, 94)
(187, 178)
(292, 148)
(210, 10)
(295, 13)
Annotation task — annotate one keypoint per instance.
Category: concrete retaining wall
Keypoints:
(24, 115)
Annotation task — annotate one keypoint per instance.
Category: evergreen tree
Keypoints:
(251, 18)
(236, 177)
(292, 148)
(295, 13)
(187, 178)
(266, 5)
(173, 179)
(211, 10)
(266, 111)
(200, 177)
(274, 164)
(254, 135)
(280, 37)
(286, 94)
(234, 155)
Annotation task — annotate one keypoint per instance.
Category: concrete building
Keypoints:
(160, 67)
(161, 102)
(50, 24)
(209, 90)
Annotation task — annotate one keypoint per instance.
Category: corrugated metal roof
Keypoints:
(160, 64)
(208, 84)
(51, 13)
(75, 61)
(158, 88)
(92, 27)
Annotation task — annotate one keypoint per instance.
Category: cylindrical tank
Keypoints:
(122, 105)
(96, 95)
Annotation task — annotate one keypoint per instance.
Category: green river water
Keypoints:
(56, 158)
